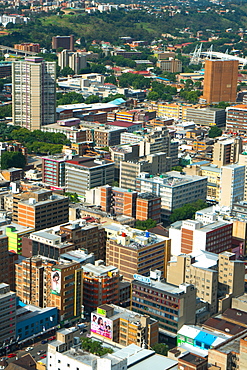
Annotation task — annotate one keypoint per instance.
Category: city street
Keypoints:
(38, 346)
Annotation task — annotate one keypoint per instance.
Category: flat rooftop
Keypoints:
(18, 228)
(163, 286)
(138, 238)
(29, 311)
(125, 314)
(91, 163)
(232, 345)
(100, 270)
(173, 178)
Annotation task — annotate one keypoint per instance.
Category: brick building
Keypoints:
(236, 119)
(171, 305)
(118, 201)
(135, 251)
(65, 42)
(190, 236)
(28, 46)
(127, 326)
(47, 283)
(100, 285)
(40, 209)
(220, 81)
(53, 242)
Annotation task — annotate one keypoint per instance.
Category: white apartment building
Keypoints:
(175, 189)
(232, 184)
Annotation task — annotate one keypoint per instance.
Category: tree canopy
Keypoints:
(187, 211)
(160, 348)
(214, 131)
(161, 91)
(12, 159)
(69, 98)
(36, 141)
(95, 347)
(145, 225)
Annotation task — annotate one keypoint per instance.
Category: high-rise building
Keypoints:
(126, 327)
(53, 171)
(242, 160)
(4, 258)
(40, 209)
(232, 184)
(170, 65)
(119, 201)
(100, 285)
(66, 42)
(53, 242)
(47, 283)
(28, 46)
(154, 163)
(236, 119)
(33, 92)
(231, 275)
(220, 81)
(171, 305)
(8, 313)
(201, 271)
(134, 251)
(175, 189)
(226, 151)
(206, 116)
(189, 236)
(82, 174)
(75, 61)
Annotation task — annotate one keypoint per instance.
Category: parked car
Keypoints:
(44, 356)
(41, 352)
(44, 341)
(10, 355)
(52, 338)
(29, 349)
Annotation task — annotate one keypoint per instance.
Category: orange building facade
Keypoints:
(220, 81)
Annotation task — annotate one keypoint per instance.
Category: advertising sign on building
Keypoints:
(101, 325)
(56, 282)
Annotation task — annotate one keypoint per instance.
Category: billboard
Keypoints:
(100, 311)
(101, 325)
(56, 282)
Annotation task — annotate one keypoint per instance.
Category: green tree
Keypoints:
(222, 105)
(12, 159)
(6, 110)
(95, 347)
(177, 168)
(67, 71)
(92, 99)
(112, 97)
(160, 348)
(214, 132)
(73, 197)
(69, 98)
(153, 95)
(111, 80)
(187, 211)
(145, 225)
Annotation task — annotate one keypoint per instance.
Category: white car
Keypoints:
(29, 349)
